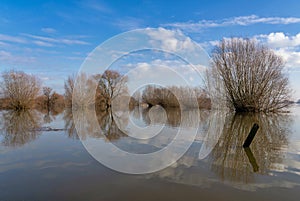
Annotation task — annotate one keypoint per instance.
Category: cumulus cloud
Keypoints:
(171, 40)
(287, 46)
(281, 40)
(234, 21)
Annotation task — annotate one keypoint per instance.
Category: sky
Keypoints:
(51, 39)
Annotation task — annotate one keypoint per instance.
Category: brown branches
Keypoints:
(20, 88)
(251, 75)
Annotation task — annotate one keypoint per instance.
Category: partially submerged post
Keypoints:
(251, 159)
(251, 135)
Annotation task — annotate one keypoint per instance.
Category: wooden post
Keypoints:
(251, 135)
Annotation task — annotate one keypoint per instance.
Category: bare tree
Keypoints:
(110, 85)
(69, 88)
(20, 88)
(107, 86)
(47, 92)
(83, 95)
(251, 75)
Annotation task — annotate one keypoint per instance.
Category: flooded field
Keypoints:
(42, 157)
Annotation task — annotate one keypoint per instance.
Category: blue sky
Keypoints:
(51, 39)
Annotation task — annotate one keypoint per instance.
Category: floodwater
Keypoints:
(43, 158)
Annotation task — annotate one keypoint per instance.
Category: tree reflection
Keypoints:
(175, 116)
(231, 162)
(69, 124)
(109, 126)
(105, 125)
(223, 154)
(20, 127)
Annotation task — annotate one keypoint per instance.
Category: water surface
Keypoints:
(42, 158)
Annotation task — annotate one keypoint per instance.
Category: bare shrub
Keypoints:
(20, 89)
(251, 76)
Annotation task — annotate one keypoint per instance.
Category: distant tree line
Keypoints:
(22, 91)
(176, 96)
(244, 76)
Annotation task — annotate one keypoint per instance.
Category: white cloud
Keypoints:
(170, 40)
(65, 41)
(4, 54)
(48, 30)
(291, 57)
(8, 57)
(155, 71)
(287, 46)
(3, 44)
(42, 43)
(14, 39)
(235, 21)
(281, 40)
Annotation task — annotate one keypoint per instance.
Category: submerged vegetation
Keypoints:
(250, 76)
(175, 97)
(244, 76)
(19, 89)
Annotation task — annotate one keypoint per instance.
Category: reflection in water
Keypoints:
(231, 162)
(69, 124)
(219, 141)
(109, 127)
(267, 163)
(175, 117)
(20, 127)
(48, 118)
(251, 158)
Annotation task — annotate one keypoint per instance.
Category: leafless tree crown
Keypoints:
(20, 88)
(251, 76)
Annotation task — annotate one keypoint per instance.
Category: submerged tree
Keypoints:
(110, 85)
(79, 91)
(20, 88)
(47, 93)
(251, 75)
(176, 96)
(69, 88)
